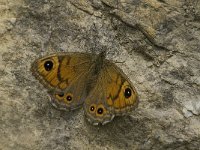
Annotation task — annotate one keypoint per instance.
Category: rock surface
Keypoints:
(159, 42)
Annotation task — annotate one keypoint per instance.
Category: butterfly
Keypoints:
(76, 79)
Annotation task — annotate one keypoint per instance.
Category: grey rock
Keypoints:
(158, 42)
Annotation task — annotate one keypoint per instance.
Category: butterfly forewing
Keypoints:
(65, 76)
(112, 95)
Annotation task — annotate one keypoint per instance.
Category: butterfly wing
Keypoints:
(64, 76)
(113, 94)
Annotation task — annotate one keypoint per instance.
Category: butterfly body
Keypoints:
(82, 79)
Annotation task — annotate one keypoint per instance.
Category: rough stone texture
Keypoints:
(159, 42)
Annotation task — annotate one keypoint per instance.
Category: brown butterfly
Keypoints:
(82, 79)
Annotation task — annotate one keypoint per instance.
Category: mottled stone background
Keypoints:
(159, 43)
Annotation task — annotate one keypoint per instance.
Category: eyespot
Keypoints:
(61, 94)
(100, 111)
(69, 97)
(92, 108)
(48, 65)
(127, 92)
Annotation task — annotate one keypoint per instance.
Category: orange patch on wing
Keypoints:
(113, 89)
(59, 98)
(63, 85)
(122, 102)
(55, 81)
(109, 101)
(42, 70)
(117, 103)
(113, 92)
(66, 71)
